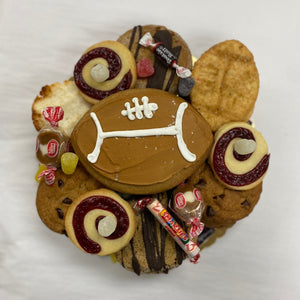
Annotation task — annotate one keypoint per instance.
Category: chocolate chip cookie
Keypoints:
(52, 202)
(224, 206)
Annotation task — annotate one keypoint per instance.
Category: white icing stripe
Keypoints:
(175, 130)
(138, 109)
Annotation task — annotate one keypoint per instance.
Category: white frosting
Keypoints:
(175, 130)
(146, 108)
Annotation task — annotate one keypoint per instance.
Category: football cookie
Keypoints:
(164, 78)
(104, 69)
(142, 141)
(227, 84)
(52, 202)
(100, 222)
(239, 157)
(65, 95)
(152, 249)
(224, 206)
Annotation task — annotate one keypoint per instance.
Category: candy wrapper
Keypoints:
(165, 55)
(51, 142)
(188, 205)
(168, 222)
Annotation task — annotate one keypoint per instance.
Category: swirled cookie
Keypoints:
(227, 84)
(152, 249)
(104, 69)
(224, 206)
(239, 157)
(52, 202)
(164, 78)
(100, 222)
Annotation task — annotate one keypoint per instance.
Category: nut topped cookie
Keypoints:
(227, 84)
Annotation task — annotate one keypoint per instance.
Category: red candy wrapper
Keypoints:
(53, 115)
(168, 222)
(49, 175)
(188, 205)
(165, 55)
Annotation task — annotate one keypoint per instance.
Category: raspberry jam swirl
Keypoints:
(239, 171)
(97, 203)
(114, 66)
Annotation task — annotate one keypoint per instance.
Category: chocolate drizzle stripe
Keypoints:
(176, 51)
(132, 38)
(157, 80)
(135, 263)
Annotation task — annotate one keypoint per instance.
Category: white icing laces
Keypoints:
(138, 109)
(175, 130)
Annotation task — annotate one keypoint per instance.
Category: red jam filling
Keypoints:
(104, 203)
(219, 160)
(114, 67)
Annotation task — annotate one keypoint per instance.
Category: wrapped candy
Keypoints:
(51, 142)
(186, 82)
(165, 55)
(188, 205)
(175, 230)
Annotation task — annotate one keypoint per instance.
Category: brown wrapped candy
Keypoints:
(51, 142)
(188, 205)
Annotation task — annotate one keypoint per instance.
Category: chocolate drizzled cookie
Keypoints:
(164, 78)
(152, 249)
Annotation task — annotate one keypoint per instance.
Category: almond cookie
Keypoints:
(104, 69)
(164, 78)
(152, 249)
(142, 141)
(52, 202)
(100, 222)
(65, 95)
(227, 84)
(224, 206)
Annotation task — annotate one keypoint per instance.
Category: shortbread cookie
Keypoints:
(100, 222)
(239, 157)
(227, 84)
(65, 95)
(104, 69)
(164, 78)
(152, 249)
(224, 206)
(52, 202)
(142, 141)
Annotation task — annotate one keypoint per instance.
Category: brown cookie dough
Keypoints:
(152, 249)
(223, 206)
(164, 78)
(52, 202)
(227, 84)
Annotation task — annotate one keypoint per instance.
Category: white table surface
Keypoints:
(40, 41)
